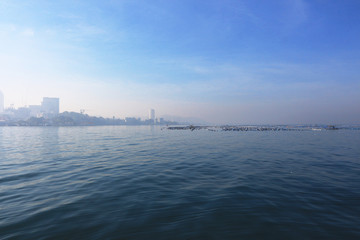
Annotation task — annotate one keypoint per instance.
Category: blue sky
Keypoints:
(281, 61)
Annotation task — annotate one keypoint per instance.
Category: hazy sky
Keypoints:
(228, 61)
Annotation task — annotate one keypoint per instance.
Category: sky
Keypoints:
(224, 62)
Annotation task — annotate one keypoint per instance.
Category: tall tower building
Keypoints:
(50, 105)
(152, 114)
(1, 102)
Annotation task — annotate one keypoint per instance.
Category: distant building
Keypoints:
(1, 102)
(35, 110)
(50, 106)
(22, 113)
(152, 115)
(132, 121)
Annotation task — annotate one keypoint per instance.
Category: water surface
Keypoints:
(118, 182)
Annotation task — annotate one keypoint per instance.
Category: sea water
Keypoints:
(118, 182)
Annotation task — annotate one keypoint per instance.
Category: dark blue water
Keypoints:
(148, 183)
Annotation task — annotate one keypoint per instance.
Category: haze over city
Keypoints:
(285, 61)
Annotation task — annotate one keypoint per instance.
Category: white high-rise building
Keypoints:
(1, 102)
(152, 114)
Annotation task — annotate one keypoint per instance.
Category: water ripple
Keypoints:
(144, 183)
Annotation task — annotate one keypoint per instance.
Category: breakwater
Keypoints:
(259, 128)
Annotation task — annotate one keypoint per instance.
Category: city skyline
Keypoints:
(48, 114)
(242, 62)
(51, 105)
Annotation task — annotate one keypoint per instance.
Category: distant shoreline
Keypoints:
(80, 119)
